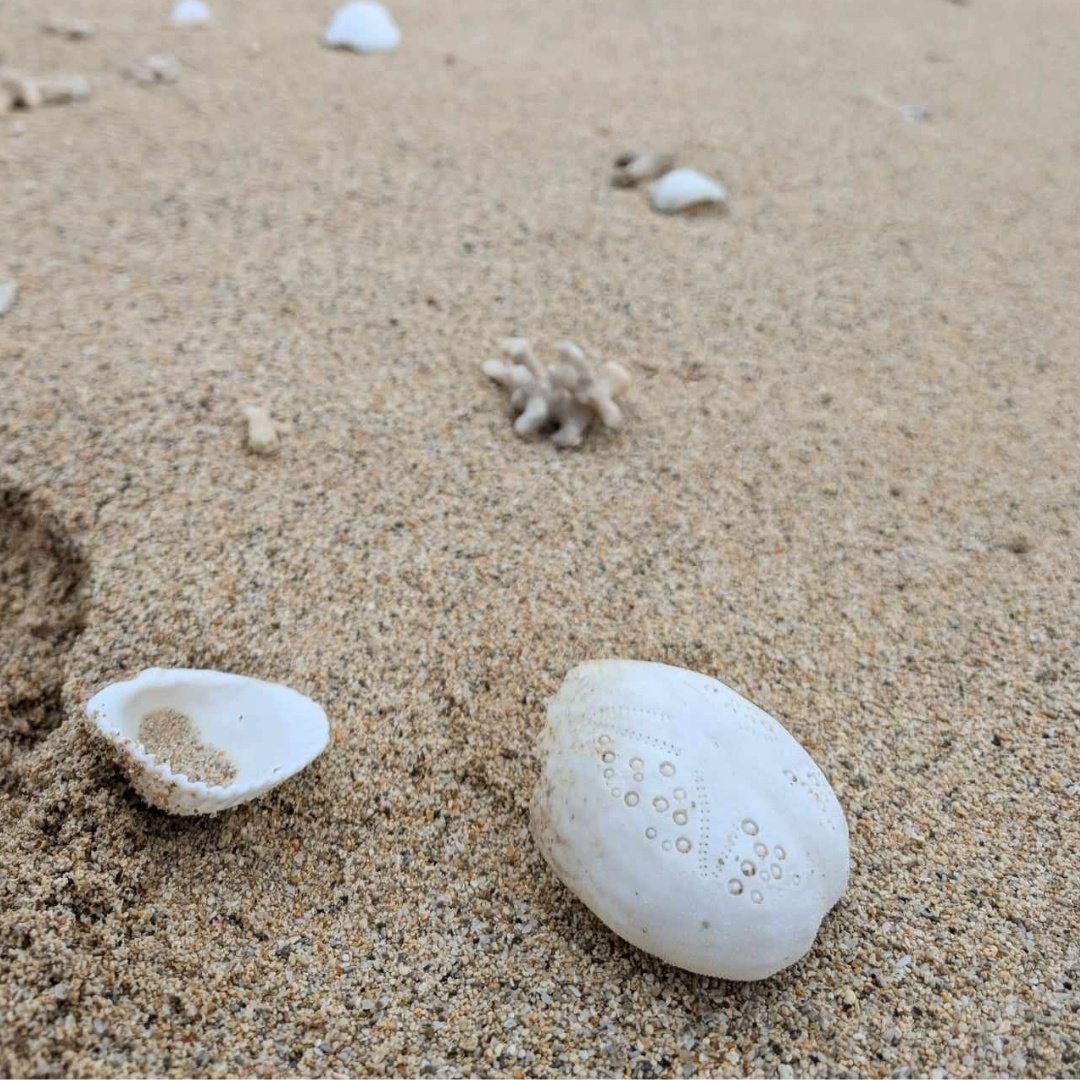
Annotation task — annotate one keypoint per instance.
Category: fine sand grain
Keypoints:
(847, 485)
(172, 738)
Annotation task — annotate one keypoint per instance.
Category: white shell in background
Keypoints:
(682, 189)
(267, 731)
(190, 13)
(688, 819)
(364, 26)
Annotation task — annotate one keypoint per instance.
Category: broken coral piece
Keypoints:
(565, 398)
(634, 169)
(686, 189)
(261, 430)
(30, 91)
(73, 29)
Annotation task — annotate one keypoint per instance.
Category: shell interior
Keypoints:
(268, 731)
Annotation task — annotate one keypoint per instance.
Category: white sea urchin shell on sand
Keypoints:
(364, 26)
(688, 819)
(241, 736)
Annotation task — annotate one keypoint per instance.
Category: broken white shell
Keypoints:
(269, 732)
(364, 26)
(682, 189)
(190, 13)
(688, 819)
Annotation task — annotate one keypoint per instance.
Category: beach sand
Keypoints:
(847, 486)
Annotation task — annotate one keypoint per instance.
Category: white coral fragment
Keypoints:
(30, 91)
(73, 29)
(262, 436)
(565, 398)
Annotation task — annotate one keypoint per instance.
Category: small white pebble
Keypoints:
(190, 13)
(157, 68)
(8, 291)
(684, 189)
(262, 432)
(364, 26)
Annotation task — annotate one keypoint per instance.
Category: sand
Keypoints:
(173, 739)
(847, 486)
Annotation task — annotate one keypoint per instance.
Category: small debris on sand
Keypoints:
(19, 91)
(72, 29)
(191, 13)
(172, 738)
(1018, 543)
(9, 290)
(915, 114)
(634, 169)
(262, 431)
(687, 189)
(566, 398)
(30, 91)
(364, 26)
(156, 68)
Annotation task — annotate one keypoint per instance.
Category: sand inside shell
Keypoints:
(172, 738)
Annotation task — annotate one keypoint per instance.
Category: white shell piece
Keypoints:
(269, 732)
(688, 819)
(9, 290)
(190, 13)
(364, 26)
(682, 189)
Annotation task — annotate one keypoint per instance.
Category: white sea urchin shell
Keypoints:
(688, 819)
(266, 733)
